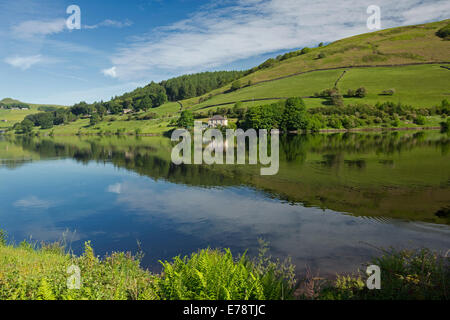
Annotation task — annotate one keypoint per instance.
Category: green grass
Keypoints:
(15, 116)
(108, 127)
(302, 85)
(405, 275)
(31, 272)
(418, 86)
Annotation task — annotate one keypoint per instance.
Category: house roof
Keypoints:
(217, 117)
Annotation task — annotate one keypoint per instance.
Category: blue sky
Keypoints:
(125, 44)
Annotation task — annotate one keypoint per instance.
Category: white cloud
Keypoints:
(109, 23)
(219, 35)
(436, 10)
(24, 62)
(32, 28)
(111, 72)
(33, 202)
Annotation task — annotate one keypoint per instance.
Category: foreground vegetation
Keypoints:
(29, 271)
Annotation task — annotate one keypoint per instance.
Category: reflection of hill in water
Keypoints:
(13, 164)
(394, 175)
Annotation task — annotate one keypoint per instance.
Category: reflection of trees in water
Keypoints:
(152, 159)
(13, 164)
(140, 159)
(332, 160)
(296, 148)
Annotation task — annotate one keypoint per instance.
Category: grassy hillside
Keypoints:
(14, 116)
(403, 45)
(419, 86)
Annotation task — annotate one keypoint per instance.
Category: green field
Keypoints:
(419, 86)
(14, 116)
(157, 126)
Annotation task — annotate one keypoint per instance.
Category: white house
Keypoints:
(217, 120)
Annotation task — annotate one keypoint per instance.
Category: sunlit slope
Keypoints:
(14, 116)
(419, 86)
(397, 46)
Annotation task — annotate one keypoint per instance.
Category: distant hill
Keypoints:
(8, 101)
(13, 111)
(12, 102)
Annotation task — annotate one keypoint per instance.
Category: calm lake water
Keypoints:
(335, 198)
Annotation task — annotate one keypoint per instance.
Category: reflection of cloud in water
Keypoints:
(34, 202)
(320, 238)
(50, 234)
(115, 188)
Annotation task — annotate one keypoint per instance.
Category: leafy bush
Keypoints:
(267, 64)
(321, 55)
(419, 120)
(95, 118)
(351, 93)
(216, 275)
(405, 275)
(326, 93)
(445, 127)
(305, 50)
(236, 85)
(337, 99)
(295, 116)
(444, 32)
(315, 123)
(186, 119)
(210, 275)
(334, 123)
(41, 274)
(395, 123)
(361, 92)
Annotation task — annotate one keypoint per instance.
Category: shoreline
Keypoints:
(377, 129)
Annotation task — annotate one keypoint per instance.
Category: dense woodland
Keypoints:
(194, 85)
(155, 94)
